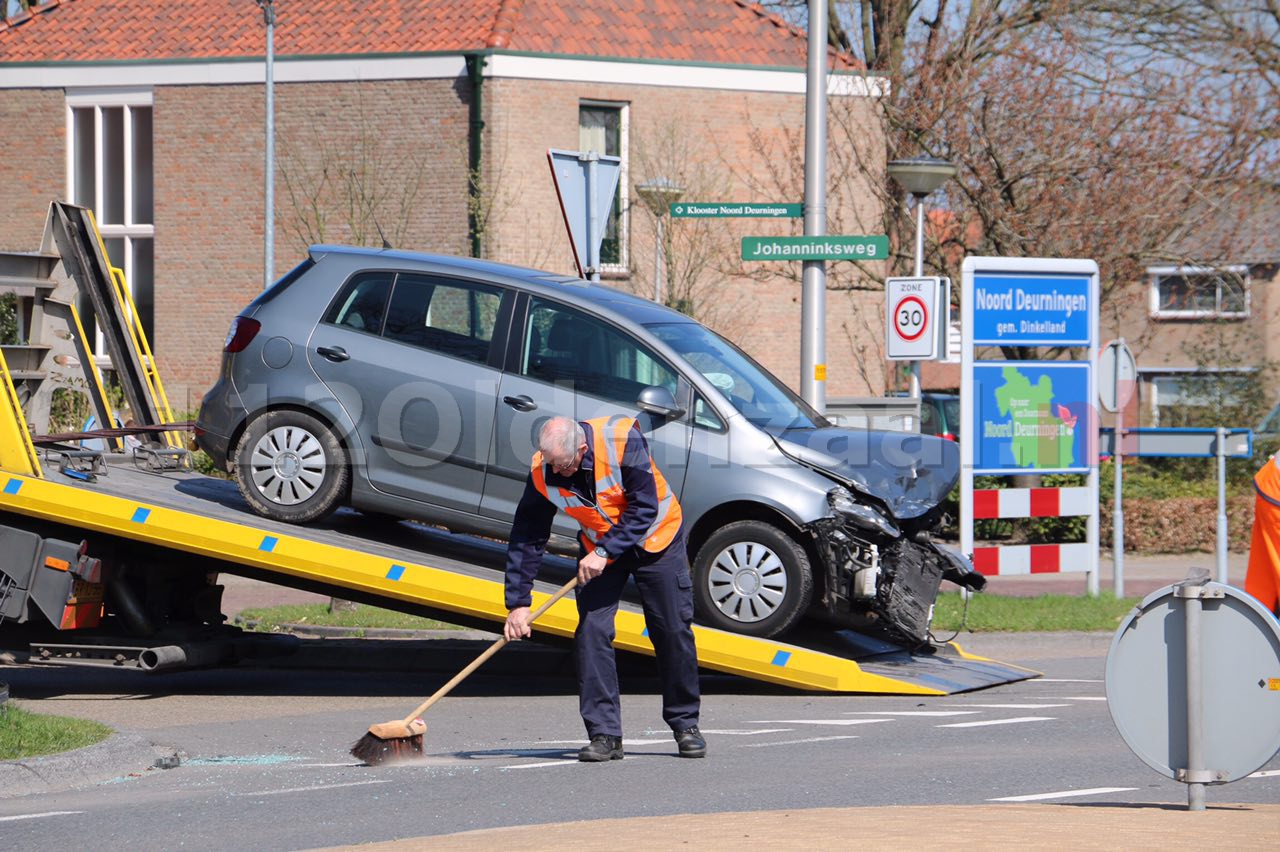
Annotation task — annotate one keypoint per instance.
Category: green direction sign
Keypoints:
(815, 248)
(725, 210)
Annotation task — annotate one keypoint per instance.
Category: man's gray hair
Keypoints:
(561, 437)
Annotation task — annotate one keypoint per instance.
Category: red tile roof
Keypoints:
(733, 32)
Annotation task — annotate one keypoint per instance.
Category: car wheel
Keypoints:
(291, 467)
(751, 577)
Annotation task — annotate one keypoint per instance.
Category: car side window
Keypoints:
(362, 302)
(704, 415)
(563, 345)
(443, 315)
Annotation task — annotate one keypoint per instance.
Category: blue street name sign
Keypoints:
(1018, 309)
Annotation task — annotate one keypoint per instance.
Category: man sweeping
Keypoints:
(600, 473)
(1262, 578)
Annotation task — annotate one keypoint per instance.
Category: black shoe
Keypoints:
(601, 748)
(691, 743)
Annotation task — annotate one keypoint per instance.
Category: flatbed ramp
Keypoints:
(192, 513)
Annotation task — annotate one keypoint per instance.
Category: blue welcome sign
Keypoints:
(1031, 310)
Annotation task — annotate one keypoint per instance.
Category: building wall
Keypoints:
(400, 145)
(1190, 343)
(720, 146)
(33, 135)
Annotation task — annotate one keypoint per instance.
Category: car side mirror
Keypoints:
(660, 401)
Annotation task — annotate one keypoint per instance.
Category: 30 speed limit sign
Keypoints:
(911, 318)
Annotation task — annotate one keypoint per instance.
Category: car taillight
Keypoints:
(243, 330)
(949, 436)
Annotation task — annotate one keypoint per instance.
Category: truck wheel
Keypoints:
(291, 467)
(751, 577)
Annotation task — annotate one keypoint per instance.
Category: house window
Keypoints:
(602, 128)
(1197, 398)
(1197, 293)
(110, 171)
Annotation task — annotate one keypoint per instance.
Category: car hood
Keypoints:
(909, 472)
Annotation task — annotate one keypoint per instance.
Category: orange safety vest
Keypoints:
(1262, 578)
(596, 519)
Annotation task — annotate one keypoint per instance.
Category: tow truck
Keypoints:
(111, 546)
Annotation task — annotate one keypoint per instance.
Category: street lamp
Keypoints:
(920, 176)
(658, 195)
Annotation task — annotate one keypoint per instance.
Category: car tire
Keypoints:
(291, 467)
(751, 577)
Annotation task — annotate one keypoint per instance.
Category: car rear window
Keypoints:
(281, 285)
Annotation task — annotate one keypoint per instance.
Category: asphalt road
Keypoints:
(264, 761)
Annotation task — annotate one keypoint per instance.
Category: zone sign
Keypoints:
(911, 321)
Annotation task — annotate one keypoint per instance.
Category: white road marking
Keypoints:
(817, 721)
(316, 787)
(1265, 773)
(39, 816)
(1084, 698)
(1065, 794)
(1015, 706)
(1012, 721)
(539, 765)
(1062, 680)
(740, 732)
(328, 765)
(799, 742)
(913, 712)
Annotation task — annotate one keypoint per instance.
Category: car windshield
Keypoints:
(753, 391)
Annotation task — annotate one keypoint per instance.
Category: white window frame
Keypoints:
(1155, 273)
(129, 230)
(624, 182)
(1151, 378)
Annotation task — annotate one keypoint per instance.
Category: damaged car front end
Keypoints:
(880, 567)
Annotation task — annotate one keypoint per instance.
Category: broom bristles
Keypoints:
(389, 742)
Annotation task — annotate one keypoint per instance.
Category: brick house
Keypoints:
(427, 124)
(1202, 322)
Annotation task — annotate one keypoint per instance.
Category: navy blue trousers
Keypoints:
(666, 593)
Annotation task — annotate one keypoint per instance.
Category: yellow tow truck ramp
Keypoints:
(161, 521)
(174, 513)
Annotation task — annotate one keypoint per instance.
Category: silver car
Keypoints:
(413, 385)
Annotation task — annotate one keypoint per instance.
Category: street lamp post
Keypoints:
(920, 176)
(269, 178)
(658, 195)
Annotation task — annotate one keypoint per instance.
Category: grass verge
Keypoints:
(1004, 614)
(987, 614)
(24, 734)
(272, 619)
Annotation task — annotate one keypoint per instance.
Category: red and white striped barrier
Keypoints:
(1031, 502)
(1011, 559)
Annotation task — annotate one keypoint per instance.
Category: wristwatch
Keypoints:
(600, 551)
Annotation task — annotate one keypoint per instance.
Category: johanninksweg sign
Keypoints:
(694, 209)
(815, 248)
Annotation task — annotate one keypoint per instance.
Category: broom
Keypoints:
(402, 738)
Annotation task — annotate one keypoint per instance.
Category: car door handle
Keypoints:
(334, 353)
(520, 403)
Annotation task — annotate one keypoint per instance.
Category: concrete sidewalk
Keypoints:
(1082, 826)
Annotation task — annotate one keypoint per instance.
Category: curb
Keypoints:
(120, 755)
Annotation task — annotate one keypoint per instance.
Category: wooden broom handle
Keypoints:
(489, 652)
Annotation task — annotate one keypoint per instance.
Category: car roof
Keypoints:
(624, 304)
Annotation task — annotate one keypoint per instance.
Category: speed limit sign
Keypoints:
(911, 322)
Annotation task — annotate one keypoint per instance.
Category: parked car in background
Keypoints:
(414, 385)
(940, 415)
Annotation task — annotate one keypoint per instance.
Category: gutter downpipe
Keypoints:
(475, 128)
